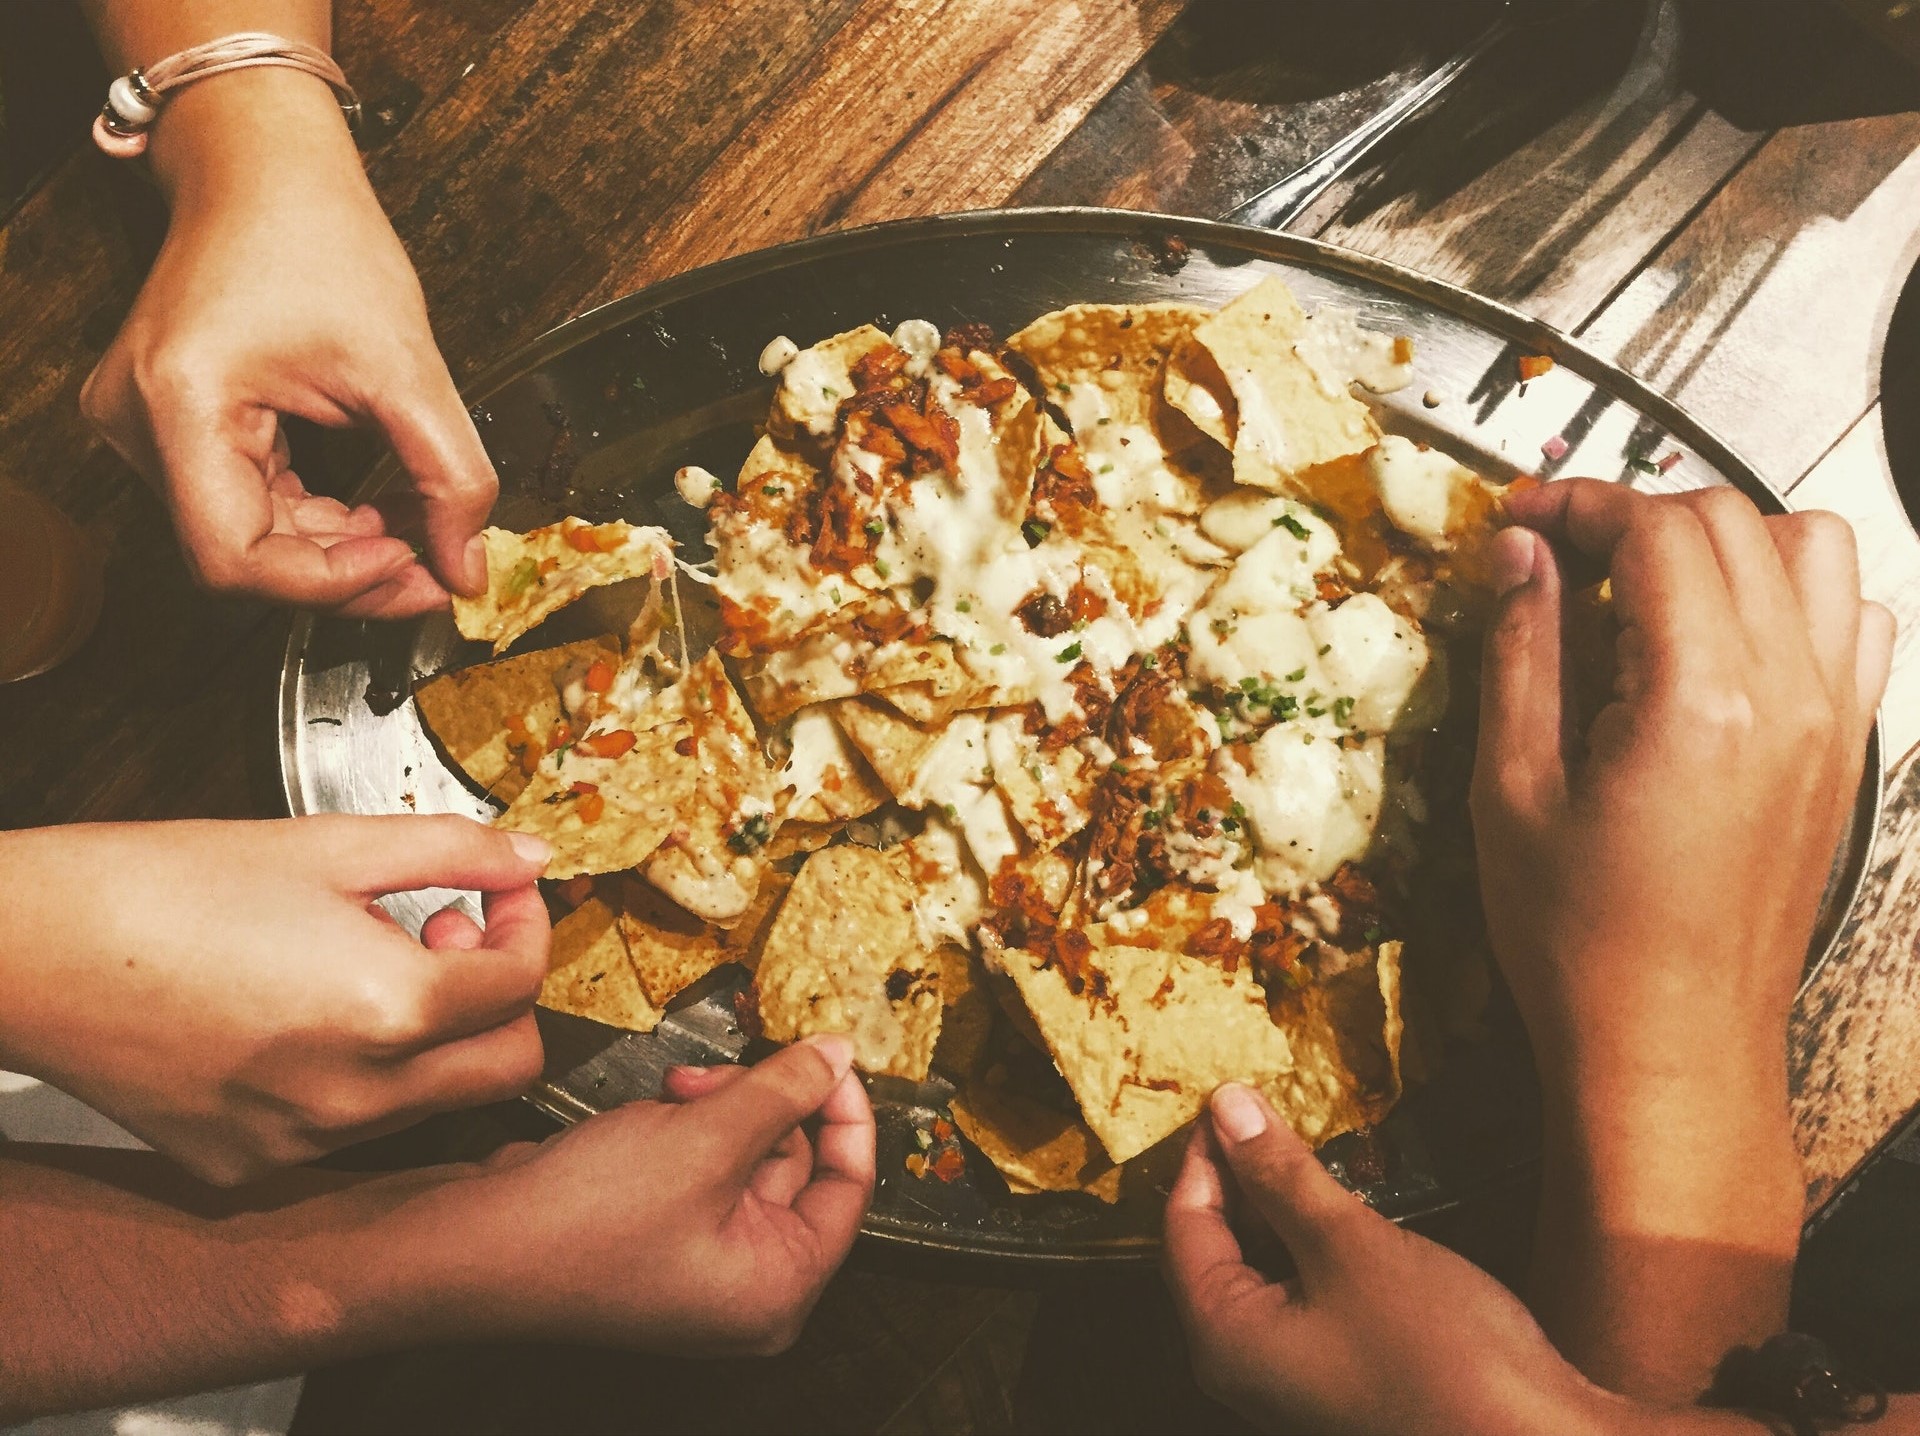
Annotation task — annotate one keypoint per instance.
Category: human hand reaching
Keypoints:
(227, 992)
(705, 1224)
(281, 291)
(1381, 1330)
(1665, 881)
(1651, 886)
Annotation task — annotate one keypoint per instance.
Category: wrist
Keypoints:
(376, 1271)
(234, 135)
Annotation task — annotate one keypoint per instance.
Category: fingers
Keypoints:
(783, 1173)
(216, 474)
(474, 989)
(452, 928)
(841, 1183)
(401, 852)
(1821, 561)
(1205, 1268)
(489, 1066)
(1874, 660)
(435, 441)
(1520, 763)
(1666, 577)
(744, 1119)
(1281, 1178)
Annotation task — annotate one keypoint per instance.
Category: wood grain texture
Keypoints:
(919, 106)
(1855, 481)
(1854, 1041)
(1764, 318)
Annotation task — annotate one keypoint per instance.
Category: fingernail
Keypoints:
(1514, 555)
(836, 1049)
(531, 850)
(1238, 1113)
(474, 561)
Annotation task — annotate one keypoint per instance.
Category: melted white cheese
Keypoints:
(1373, 656)
(1421, 490)
(696, 485)
(812, 384)
(818, 746)
(777, 355)
(1246, 516)
(1340, 353)
(1311, 803)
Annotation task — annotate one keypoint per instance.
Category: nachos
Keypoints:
(1068, 733)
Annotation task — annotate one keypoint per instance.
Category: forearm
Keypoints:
(138, 32)
(1670, 1218)
(124, 1279)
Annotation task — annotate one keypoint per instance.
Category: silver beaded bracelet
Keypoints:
(134, 101)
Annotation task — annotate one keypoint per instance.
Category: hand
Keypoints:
(1651, 900)
(227, 992)
(282, 290)
(703, 1225)
(1380, 1331)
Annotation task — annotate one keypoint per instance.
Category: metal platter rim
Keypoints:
(1490, 316)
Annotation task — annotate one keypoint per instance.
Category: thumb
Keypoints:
(744, 1119)
(1520, 763)
(401, 853)
(434, 439)
(1280, 1177)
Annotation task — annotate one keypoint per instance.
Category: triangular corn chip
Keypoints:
(533, 575)
(467, 710)
(846, 955)
(589, 974)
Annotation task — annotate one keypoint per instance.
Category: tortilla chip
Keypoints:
(519, 596)
(1120, 348)
(466, 711)
(1049, 793)
(894, 748)
(697, 865)
(807, 398)
(1196, 388)
(1287, 423)
(966, 1023)
(1036, 1148)
(1149, 1036)
(644, 791)
(672, 949)
(589, 973)
(825, 780)
(845, 955)
(1345, 1034)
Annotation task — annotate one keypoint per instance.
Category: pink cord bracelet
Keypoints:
(134, 101)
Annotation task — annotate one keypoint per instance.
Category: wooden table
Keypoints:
(1724, 195)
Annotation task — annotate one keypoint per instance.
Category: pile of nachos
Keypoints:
(1065, 733)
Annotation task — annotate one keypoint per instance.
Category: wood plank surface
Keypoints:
(919, 107)
(1723, 193)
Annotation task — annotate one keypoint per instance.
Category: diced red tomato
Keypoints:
(583, 539)
(591, 807)
(607, 745)
(599, 676)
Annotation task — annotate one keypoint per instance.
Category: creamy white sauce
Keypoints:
(1246, 516)
(920, 341)
(1312, 804)
(779, 353)
(1421, 490)
(1339, 352)
(696, 485)
(812, 384)
(950, 895)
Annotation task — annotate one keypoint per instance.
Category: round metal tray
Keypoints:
(594, 418)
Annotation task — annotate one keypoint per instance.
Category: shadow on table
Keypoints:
(1900, 396)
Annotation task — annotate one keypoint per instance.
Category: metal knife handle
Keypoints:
(1279, 205)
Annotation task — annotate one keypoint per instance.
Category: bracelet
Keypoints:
(134, 101)
(1794, 1377)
